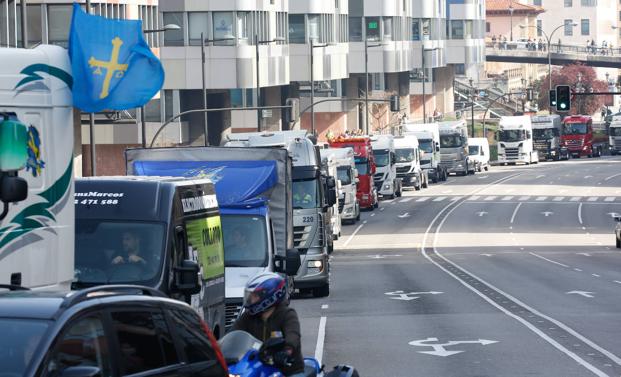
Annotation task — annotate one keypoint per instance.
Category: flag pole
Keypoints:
(91, 121)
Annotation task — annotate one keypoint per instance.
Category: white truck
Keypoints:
(349, 206)
(385, 179)
(37, 234)
(408, 154)
(428, 136)
(515, 141)
(614, 135)
(333, 220)
(454, 147)
(547, 131)
(478, 151)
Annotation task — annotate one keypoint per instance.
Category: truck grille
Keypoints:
(378, 177)
(425, 162)
(341, 203)
(403, 169)
(300, 235)
(231, 312)
(512, 153)
(573, 144)
(378, 185)
(541, 145)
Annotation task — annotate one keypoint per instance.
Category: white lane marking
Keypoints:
(523, 198)
(548, 260)
(585, 254)
(515, 211)
(486, 255)
(481, 214)
(422, 199)
(581, 293)
(476, 197)
(406, 200)
(547, 213)
(540, 176)
(611, 177)
(592, 199)
(507, 198)
(325, 306)
(372, 214)
(456, 198)
(527, 324)
(596, 275)
(577, 269)
(447, 191)
(382, 209)
(354, 233)
(588, 176)
(617, 281)
(321, 337)
(574, 199)
(558, 198)
(403, 216)
(609, 199)
(580, 214)
(439, 199)
(541, 198)
(490, 198)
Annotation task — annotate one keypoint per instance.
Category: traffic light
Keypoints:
(552, 96)
(292, 114)
(394, 104)
(563, 98)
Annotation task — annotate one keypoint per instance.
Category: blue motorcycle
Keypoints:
(247, 356)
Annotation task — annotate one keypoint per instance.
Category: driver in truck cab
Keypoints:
(301, 197)
(267, 315)
(131, 250)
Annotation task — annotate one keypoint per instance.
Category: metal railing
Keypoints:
(555, 48)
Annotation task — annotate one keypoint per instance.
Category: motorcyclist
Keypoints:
(267, 315)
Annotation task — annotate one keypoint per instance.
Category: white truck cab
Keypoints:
(428, 136)
(37, 234)
(329, 165)
(407, 153)
(386, 181)
(348, 177)
(454, 147)
(515, 141)
(478, 151)
(614, 135)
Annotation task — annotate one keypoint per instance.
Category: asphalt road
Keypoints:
(511, 272)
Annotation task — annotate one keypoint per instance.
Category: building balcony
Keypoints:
(329, 62)
(394, 56)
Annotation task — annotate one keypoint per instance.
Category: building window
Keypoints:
(460, 69)
(175, 37)
(34, 26)
(457, 29)
(59, 21)
(281, 27)
(537, 2)
(297, 28)
(198, 22)
(223, 27)
(372, 28)
(568, 3)
(588, 3)
(584, 27)
(314, 27)
(569, 31)
(539, 28)
(355, 29)
(388, 29)
(416, 30)
(487, 27)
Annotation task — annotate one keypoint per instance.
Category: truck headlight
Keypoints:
(460, 165)
(349, 210)
(315, 264)
(585, 147)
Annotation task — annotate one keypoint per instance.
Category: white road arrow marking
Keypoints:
(482, 213)
(613, 214)
(546, 214)
(581, 293)
(407, 214)
(588, 176)
(483, 177)
(440, 350)
(487, 255)
(401, 295)
(540, 176)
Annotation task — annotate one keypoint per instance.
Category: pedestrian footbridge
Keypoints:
(559, 55)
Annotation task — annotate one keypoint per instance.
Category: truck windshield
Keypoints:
(545, 133)
(473, 150)
(362, 165)
(615, 131)
(404, 154)
(511, 136)
(108, 251)
(381, 157)
(245, 241)
(344, 174)
(426, 145)
(19, 341)
(305, 194)
(451, 141)
(575, 128)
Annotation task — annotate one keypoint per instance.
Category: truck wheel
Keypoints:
(357, 218)
(323, 291)
(426, 183)
(376, 205)
(417, 187)
(618, 243)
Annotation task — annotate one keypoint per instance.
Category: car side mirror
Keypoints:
(81, 371)
(13, 189)
(437, 147)
(187, 278)
(289, 264)
(331, 197)
(331, 182)
(618, 219)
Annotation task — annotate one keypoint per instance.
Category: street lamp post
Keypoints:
(257, 43)
(366, 90)
(423, 50)
(313, 46)
(472, 91)
(511, 21)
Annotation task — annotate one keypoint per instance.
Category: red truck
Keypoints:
(365, 164)
(578, 137)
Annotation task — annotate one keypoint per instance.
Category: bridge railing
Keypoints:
(554, 48)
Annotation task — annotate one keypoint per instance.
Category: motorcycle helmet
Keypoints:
(264, 291)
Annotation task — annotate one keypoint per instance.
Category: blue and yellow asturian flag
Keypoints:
(113, 67)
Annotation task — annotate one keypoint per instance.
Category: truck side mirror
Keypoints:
(289, 264)
(13, 189)
(187, 277)
(331, 197)
(618, 219)
(437, 147)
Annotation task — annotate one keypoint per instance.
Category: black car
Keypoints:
(105, 331)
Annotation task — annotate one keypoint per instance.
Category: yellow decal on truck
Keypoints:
(205, 236)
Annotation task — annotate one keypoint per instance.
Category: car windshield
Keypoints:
(544, 133)
(511, 136)
(473, 150)
(344, 174)
(305, 194)
(615, 131)
(426, 145)
(451, 141)
(245, 241)
(575, 128)
(362, 165)
(381, 157)
(18, 343)
(108, 251)
(405, 154)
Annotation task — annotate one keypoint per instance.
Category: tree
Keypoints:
(568, 75)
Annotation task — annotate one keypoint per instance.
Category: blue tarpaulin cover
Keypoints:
(239, 184)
